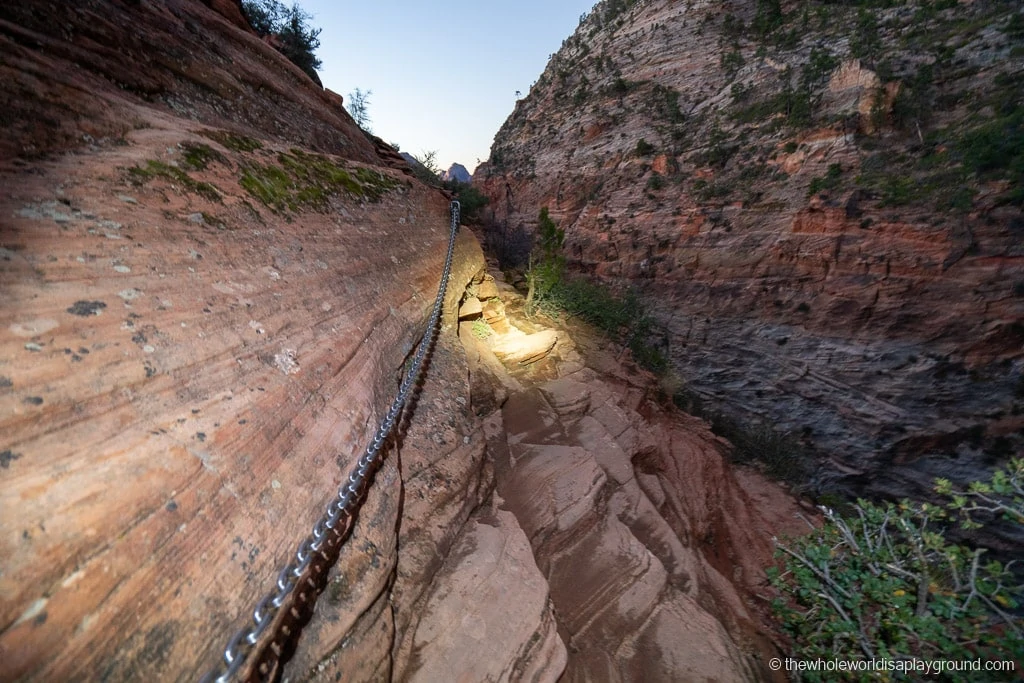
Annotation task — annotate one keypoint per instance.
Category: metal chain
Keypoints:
(329, 529)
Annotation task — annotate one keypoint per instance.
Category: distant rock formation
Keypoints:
(458, 173)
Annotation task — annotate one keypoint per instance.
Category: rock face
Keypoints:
(212, 281)
(74, 75)
(803, 212)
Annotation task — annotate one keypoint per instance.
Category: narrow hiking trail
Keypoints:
(650, 547)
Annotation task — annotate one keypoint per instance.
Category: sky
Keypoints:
(444, 76)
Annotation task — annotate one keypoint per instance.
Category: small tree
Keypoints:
(298, 41)
(426, 168)
(359, 108)
(547, 266)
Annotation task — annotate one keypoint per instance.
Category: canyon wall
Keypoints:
(819, 202)
(212, 281)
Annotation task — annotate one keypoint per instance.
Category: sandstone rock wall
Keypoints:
(884, 328)
(75, 73)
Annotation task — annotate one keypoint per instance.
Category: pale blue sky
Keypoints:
(443, 75)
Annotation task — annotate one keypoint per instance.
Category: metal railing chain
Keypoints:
(298, 581)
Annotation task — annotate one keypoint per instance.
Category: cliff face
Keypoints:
(211, 281)
(820, 203)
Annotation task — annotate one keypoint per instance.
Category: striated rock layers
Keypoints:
(211, 282)
(800, 200)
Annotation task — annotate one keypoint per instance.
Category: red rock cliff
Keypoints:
(800, 200)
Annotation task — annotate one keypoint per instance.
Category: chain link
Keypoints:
(329, 530)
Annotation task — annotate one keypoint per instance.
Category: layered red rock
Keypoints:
(878, 330)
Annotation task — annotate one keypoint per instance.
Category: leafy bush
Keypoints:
(865, 42)
(298, 41)
(767, 17)
(471, 199)
(656, 182)
(731, 62)
(643, 148)
(547, 269)
(996, 150)
(885, 582)
(480, 328)
(829, 182)
(623, 318)
(820, 66)
(665, 102)
(913, 101)
(614, 8)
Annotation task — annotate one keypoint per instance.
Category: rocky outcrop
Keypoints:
(204, 319)
(804, 219)
(457, 173)
(651, 548)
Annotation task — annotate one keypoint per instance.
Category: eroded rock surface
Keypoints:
(651, 547)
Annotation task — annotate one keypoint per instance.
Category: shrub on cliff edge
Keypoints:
(886, 583)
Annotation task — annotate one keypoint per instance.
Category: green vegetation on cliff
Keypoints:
(619, 315)
(884, 581)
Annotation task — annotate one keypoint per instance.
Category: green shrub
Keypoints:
(767, 16)
(731, 62)
(886, 582)
(622, 318)
(481, 330)
(996, 150)
(820, 66)
(780, 454)
(829, 182)
(547, 264)
(471, 199)
(865, 42)
(665, 102)
(643, 148)
(656, 182)
(913, 101)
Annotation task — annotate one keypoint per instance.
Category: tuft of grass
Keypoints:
(269, 184)
(304, 180)
(481, 330)
(197, 156)
(233, 141)
(140, 175)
